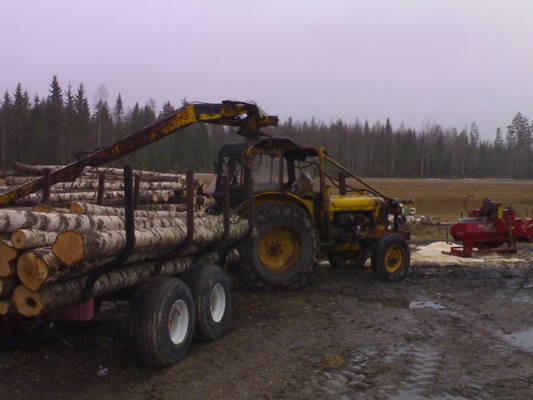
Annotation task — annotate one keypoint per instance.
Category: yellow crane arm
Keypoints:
(245, 116)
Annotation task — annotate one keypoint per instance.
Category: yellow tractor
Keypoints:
(302, 209)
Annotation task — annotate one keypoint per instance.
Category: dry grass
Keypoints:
(444, 197)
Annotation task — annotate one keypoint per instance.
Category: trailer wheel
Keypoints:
(391, 258)
(212, 297)
(348, 259)
(161, 322)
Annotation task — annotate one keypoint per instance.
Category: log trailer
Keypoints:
(297, 206)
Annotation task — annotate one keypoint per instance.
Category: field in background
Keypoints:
(444, 197)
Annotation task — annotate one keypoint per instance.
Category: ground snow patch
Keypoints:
(432, 254)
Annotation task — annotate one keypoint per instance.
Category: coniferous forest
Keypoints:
(62, 126)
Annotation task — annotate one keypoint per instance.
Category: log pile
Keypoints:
(48, 252)
(154, 188)
(46, 262)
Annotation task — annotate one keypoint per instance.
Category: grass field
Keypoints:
(444, 197)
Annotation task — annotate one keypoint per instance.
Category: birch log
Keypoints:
(32, 238)
(47, 209)
(7, 285)
(36, 198)
(6, 307)
(14, 220)
(109, 186)
(78, 207)
(32, 303)
(144, 175)
(72, 246)
(38, 267)
(8, 256)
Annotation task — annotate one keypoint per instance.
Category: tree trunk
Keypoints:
(47, 209)
(72, 246)
(36, 198)
(7, 307)
(144, 175)
(14, 220)
(32, 303)
(7, 285)
(8, 256)
(78, 207)
(32, 238)
(40, 267)
(116, 185)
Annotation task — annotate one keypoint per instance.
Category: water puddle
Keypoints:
(523, 339)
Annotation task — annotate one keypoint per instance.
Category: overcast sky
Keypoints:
(415, 61)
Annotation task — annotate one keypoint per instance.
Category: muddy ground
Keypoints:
(446, 332)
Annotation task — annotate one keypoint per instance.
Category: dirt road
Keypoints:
(448, 332)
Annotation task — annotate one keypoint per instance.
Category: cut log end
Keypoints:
(76, 208)
(18, 239)
(69, 247)
(32, 271)
(5, 307)
(28, 302)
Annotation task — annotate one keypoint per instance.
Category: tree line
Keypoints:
(62, 126)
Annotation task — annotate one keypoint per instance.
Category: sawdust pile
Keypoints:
(432, 254)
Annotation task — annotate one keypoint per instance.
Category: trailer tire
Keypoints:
(282, 253)
(212, 298)
(161, 322)
(391, 258)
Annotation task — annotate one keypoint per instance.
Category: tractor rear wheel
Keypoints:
(391, 258)
(283, 252)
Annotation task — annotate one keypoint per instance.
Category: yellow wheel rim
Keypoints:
(279, 249)
(393, 259)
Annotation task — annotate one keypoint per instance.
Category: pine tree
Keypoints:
(81, 121)
(55, 122)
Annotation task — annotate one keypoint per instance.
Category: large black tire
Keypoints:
(391, 258)
(161, 322)
(348, 259)
(282, 254)
(212, 297)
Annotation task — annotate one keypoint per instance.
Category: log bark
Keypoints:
(14, 220)
(39, 267)
(19, 180)
(7, 286)
(8, 256)
(110, 186)
(78, 207)
(32, 238)
(33, 303)
(144, 175)
(72, 246)
(35, 198)
(47, 209)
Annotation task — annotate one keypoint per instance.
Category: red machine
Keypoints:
(490, 229)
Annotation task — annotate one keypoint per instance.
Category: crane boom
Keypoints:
(245, 116)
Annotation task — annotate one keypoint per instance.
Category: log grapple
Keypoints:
(492, 228)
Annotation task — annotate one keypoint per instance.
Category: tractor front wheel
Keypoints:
(348, 259)
(283, 251)
(391, 258)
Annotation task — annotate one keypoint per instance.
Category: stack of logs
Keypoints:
(46, 261)
(154, 188)
(47, 254)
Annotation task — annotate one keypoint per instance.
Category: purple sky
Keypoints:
(427, 61)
